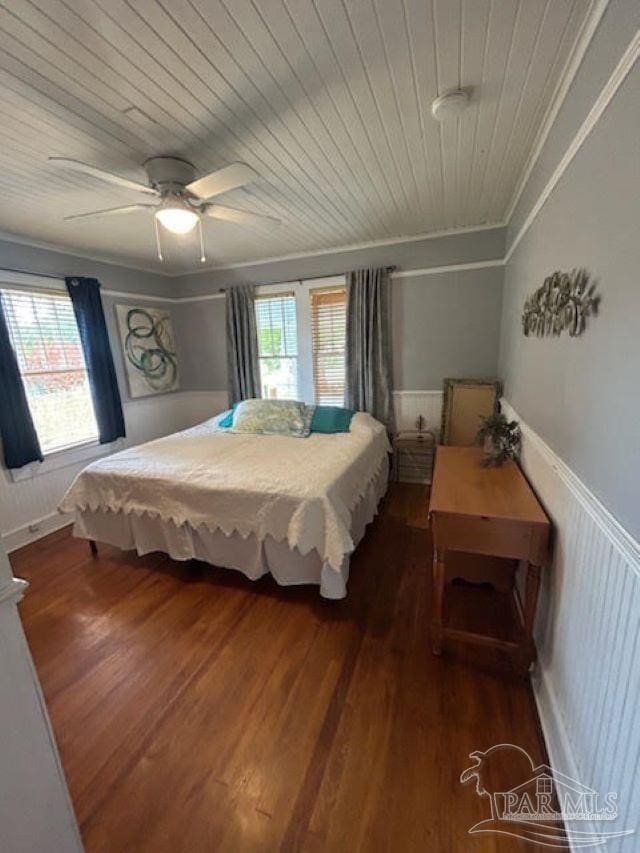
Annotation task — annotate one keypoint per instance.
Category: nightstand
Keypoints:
(413, 453)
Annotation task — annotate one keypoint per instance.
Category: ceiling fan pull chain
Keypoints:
(157, 230)
(202, 255)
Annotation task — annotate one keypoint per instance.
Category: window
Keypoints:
(301, 340)
(328, 330)
(278, 346)
(45, 338)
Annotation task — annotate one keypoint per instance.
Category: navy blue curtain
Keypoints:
(19, 438)
(87, 305)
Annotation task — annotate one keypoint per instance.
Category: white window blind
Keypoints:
(278, 346)
(328, 333)
(45, 337)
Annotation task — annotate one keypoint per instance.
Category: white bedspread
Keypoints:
(301, 490)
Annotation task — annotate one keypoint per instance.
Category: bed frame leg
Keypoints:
(93, 548)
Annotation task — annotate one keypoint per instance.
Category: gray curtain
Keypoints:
(369, 386)
(243, 373)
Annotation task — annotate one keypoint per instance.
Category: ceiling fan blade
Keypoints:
(101, 174)
(232, 214)
(228, 178)
(111, 211)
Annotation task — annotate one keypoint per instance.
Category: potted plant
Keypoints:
(500, 438)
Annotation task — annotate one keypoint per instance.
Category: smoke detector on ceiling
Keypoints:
(450, 105)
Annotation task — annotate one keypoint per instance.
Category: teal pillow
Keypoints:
(331, 419)
(227, 421)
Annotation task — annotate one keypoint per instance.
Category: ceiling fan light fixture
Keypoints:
(176, 216)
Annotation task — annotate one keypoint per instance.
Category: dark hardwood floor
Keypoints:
(197, 711)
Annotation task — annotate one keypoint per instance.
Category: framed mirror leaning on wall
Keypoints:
(464, 402)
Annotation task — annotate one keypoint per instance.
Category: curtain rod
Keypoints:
(389, 269)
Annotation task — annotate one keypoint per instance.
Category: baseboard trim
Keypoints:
(21, 536)
(554, 731)
(553, 693)
(553, 728)
(12, 590)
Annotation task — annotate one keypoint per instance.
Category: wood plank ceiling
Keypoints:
(329, 100)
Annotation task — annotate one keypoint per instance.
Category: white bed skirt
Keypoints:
(249, 556)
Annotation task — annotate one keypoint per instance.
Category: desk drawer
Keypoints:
(483, 535)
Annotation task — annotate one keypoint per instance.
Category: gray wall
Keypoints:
(18, 256)
(416, 254)
(112, 277)
(31, 259)
(444, 324)
(581, 394)
(200, 330)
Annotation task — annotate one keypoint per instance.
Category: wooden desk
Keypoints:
(485, 511)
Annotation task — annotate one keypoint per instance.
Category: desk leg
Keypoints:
(530, 605)
(438, 601)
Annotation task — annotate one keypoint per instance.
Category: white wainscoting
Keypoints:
(587, 680)
(410, 404)
(32, 503)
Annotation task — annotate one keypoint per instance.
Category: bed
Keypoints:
(294, 507)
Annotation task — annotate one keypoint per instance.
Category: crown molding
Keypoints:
(603, 100)
(587, 31)
(351, 247)
(9, 237)
(616, 79)
(609, 90)
(29, 280)
(334, 250)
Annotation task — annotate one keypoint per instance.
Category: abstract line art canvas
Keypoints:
(149, 350)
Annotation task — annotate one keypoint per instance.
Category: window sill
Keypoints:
(85, 452)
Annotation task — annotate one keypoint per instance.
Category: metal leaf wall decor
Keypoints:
(563, 302)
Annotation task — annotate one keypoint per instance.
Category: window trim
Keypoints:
(282, 291)
(301, 289)
(31, 284)
(73, 455)
(62, 457)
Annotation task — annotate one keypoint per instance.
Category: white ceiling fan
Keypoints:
(183, 200)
